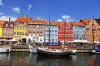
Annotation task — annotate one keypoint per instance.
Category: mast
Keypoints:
(49, 31)
(93, 29)
(64, 32)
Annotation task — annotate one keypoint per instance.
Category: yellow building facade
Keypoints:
(2, 22)
(21, 29)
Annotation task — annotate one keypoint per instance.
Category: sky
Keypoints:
(57, 10)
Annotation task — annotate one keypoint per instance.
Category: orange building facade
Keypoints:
(95, 23)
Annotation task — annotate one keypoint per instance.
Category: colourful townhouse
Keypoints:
(51, 32)
(8, 30)
(79, 31)
(21, 29)
(94, 25)
(36, 30)
(2, 22)
(65, 32)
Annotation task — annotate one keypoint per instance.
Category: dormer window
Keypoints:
(24, 23)
(11, 25)
(17, 23)
(40, 22)
(6, 25)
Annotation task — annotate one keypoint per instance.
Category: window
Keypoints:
(25, 23)
(20, 33)
(40, 22)
(6, 25)
(17, 33)
(14, 33)
(55, 30)
(40, 26)
(11, 25)
(40, 39)
(55, 26)
(20, 28)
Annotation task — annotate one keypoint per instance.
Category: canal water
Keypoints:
(27, 59)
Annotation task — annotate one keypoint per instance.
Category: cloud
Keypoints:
(1, 13)
(16, 9)
(29, 7)
(1, 4)
(65, 17)
(6, 18)
(59, 20)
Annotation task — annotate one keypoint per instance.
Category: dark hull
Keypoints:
(52, 54)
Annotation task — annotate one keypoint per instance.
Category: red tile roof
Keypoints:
(9, 24)
(37, 21)
(23, 19)
(77, 24)
(58, 23)
(86, 21)
(2, 22)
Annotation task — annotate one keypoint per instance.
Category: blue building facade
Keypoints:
(79, 31)
(53, 34)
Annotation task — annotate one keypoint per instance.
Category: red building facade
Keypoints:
(65, 32)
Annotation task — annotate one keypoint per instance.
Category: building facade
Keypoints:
(65, 32)
(51, 32)
(36, 31)
(2, 22)
(8, 30)
(21, 29)
(79, 31)
(95, 23)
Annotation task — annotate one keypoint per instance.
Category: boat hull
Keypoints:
(53, 54)
(5, 49)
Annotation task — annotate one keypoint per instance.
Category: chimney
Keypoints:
(25, 16)
(9, 19)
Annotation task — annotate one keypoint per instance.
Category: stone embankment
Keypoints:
(20, 48)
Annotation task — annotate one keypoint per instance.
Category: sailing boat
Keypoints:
(95, 49)
(53, 50)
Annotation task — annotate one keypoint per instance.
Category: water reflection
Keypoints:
(54, 61)
(28, 59)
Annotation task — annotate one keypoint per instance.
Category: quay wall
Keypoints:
(26, 49)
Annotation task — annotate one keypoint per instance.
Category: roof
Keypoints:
(23, 19)
(2, 22)
(9, 24)
(98, 20)
(33, 21)
(78, 24)
(86, 21)
(44, 22)
(58, 23)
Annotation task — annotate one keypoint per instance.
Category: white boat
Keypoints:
(95, 51)
(73, 51)
(5, 49)
(32, 48)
